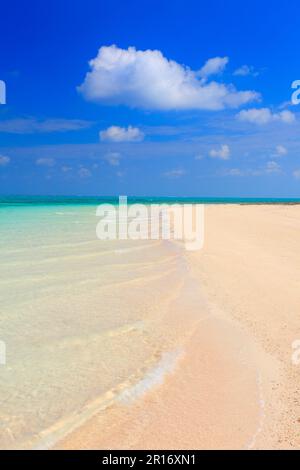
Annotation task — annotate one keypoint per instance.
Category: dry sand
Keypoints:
(229, 382)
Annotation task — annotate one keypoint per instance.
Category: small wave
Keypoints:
(153, 378)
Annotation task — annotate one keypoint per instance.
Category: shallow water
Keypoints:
(82, 319)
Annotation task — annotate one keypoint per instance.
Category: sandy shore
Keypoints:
(231, 382)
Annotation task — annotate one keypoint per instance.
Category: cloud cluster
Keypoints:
(148, 80)
(262, 116)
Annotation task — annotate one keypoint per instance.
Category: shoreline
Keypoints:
(224, 345)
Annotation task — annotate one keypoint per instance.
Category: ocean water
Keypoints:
(82, 319)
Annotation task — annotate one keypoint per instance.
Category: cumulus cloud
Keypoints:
(174, 174)
(213, 66)
(223, 152)
(45, 162)
(113, 158)
(32, 126)
(265, 116)
(4, 160)
(148, 80)
(122, 134)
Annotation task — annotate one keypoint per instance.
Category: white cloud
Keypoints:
(84, 172)
(223, 152)
(296, 174)
(45, 162)
(4, 160)
(122, 134)
(148, 80)
(273, 167)
(280, 151)
(31, 126)
(113, 158)
(245, 70)
(213, 66)
(174, 174)
(265, 116)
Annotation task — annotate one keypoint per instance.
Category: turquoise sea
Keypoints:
(94, 200)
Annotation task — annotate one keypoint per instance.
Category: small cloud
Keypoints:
(66, 169)
(296, 174)
(84, 172)
(213, 66)
(174, 174)
(223, 152)
(245, 70)
(235, 172)
(199, 157)
(49, 162)
(265, 116)
(4, 160)
(273, 167)
(280, 151)
(113, 158)
(121, 134)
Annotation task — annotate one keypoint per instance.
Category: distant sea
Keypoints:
(94, 200)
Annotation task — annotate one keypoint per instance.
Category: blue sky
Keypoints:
(160, 98)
